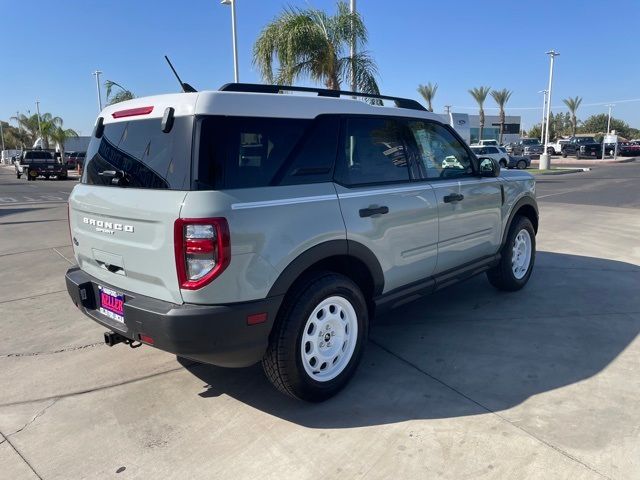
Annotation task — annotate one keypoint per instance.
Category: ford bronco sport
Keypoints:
(243, 225)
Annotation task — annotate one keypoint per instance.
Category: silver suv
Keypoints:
(243, 225)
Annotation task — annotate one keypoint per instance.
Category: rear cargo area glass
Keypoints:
(141, 152)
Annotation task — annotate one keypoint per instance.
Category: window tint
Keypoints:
(491, 150)
(147, 157)
(373, 152)
(442, 155)
(314, 158)
(245, 152)
(38, 155)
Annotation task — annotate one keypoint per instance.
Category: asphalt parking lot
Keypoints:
(468, 383)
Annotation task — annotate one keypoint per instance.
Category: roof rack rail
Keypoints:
(322, 92)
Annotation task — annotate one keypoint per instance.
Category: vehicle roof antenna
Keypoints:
(186, 88)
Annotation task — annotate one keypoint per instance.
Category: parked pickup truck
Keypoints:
(37, 163)
(582, 147)
(526, 146)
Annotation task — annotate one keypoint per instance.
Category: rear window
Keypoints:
(38, 156)
(146, 156)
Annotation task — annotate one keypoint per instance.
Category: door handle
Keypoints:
(371, 211)
(453, 197)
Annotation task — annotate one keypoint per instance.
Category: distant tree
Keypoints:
(597, 124)
(122, 95)
(479, 94)
(428, 91)
(573, 104)
(59, 135)
(501, 97)
(311, 43)
(535, 131)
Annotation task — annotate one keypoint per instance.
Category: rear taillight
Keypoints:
(202, 249)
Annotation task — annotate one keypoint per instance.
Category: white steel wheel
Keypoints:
(521, 254)
(329, 339)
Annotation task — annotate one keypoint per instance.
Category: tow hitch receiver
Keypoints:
(113, 338)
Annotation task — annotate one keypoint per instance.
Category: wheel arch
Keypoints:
(526, 207)
(349, 258)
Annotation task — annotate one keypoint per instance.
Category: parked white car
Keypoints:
(555, 148)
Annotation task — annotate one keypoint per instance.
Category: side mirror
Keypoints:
(489, 167)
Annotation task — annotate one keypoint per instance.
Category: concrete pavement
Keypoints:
(468, 383)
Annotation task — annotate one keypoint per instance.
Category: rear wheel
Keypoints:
(503, 163)
(318, 338)
(521, 165)
(517, 257)
(564, 154)
(18, 175)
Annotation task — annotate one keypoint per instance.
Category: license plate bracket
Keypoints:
(111, 303)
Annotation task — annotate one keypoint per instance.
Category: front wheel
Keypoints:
(564, 154)
(503, 163)
(521, 165)
(18, 175)
(318, 338)
(517, 257)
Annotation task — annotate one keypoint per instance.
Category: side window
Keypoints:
(314, 158)
(441, 154)
(245, 152)
(373, 152)
(491, 150)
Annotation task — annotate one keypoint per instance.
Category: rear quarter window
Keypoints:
(250, 152)
(148, 157)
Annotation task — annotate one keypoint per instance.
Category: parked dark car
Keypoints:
(73, 159)
(526, 146)
(629, 149)
(582, 147)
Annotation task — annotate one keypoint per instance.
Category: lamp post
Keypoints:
(544, 114)
(97, 74)
(611, 105)
(353, 48)
(544, 158)
(2, 134)
(232, 3)
(39, 124)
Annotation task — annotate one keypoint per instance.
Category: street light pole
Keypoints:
(545, 162)
(232, 3)
(353, 48)
(544, 114)
(39, 124)
(2, 134)
(97, 74)
(608, 130)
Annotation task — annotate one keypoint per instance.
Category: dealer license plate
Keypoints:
(111, 303)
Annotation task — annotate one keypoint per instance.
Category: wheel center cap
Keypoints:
(327, 337)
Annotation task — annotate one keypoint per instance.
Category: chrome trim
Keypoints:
(282, 201)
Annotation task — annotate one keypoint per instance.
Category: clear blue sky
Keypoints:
(458, 44)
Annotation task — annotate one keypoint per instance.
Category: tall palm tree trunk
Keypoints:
(481, 133)
(502, 120)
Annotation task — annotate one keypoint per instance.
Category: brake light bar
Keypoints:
(132, 112)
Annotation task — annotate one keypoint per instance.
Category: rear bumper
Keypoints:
(216, 334)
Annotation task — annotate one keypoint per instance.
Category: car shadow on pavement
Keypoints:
(469, 349)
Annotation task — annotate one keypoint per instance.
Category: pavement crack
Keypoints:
(35, 417)
(56, 250)
(489, 410)
(6, 439)
(52, 352)
(32, 296)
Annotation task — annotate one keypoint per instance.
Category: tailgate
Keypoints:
(125, 237)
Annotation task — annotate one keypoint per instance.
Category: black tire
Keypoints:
(503, 163)
(521, 165)
(282, 363)
(46, 177)
(501, 276)
(18, 175)
(62, 177)
(564, 154)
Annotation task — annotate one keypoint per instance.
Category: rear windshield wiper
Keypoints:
(118, 177)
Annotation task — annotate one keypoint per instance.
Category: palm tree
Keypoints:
(121, 96)
(310, 43)
(48, 125)
(573, 104)
(29, 125)
(59, 135)
(501, 97)
(428, 91)
(480, 95)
